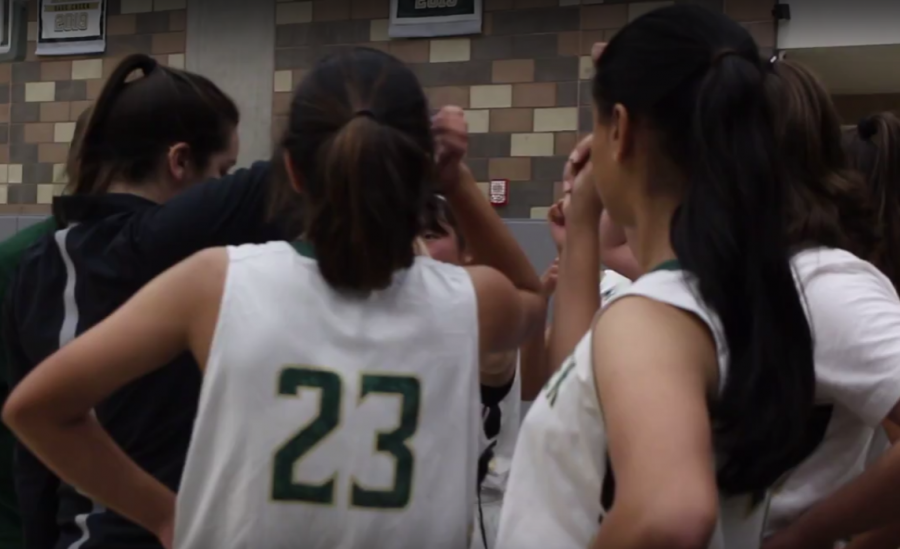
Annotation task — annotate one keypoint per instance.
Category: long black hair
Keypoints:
(696, 80)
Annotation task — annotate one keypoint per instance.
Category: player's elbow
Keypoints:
(19, 412)
(680, 521)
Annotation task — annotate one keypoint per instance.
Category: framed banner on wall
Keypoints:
(71, 27)
(427, 18)
(13, 30)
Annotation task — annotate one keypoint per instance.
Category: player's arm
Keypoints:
(50, 410)
(492, 245)
(654, 400)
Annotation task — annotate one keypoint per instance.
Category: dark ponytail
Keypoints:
(359, 141)
(873, 147)
(696, 77)
(133, 122)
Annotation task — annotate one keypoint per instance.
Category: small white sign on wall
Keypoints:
(428, 18)
(71, 27)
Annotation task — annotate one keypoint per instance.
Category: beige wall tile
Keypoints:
(63, 132)
(483, 187)
(167, 5)
(479, 121)
(585, 67)
(40, 92)
(59, 173)
(176, 61)
(45, 193)
(532, 144)
(87, 69)
(454, 49)
(378, 30)
(561, 119)
(539, 212)
(284, 81)
(14, 173)
(4, 173)
(293, 12)
(4, 194)
(637, 9)
(136, 6)
(490, 97)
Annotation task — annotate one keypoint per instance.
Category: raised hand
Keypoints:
(451, 138)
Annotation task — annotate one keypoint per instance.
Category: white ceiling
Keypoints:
(854, 69)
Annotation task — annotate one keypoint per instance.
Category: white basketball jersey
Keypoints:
(335, 422)
(559, 489)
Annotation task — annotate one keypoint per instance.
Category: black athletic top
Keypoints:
(107, 247)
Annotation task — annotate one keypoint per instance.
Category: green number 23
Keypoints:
(285, 488)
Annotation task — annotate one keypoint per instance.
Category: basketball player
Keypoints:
(136, 204)
(856, 313)
(11, 251)
(340, 399)
(681, 125)
(502, 406)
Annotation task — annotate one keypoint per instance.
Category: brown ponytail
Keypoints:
(359, 139)
(872, 147)
(134, 121)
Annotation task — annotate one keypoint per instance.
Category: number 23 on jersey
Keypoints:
(393, 443)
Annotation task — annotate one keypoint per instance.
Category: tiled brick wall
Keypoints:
(41, 97)
(524, 82)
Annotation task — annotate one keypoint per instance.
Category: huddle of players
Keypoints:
(731, 393)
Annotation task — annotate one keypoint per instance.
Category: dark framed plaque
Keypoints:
(427, 18)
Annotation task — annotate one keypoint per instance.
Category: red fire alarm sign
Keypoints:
(498, 192)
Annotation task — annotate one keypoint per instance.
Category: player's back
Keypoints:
(332, 421)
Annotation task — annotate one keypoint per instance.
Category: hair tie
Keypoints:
(717, 58)
(867, 128)
(366, 113)
(149, 65)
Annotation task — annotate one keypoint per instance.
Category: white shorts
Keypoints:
(490, 510)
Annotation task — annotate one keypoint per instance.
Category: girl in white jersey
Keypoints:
(855, 312)
(698, 380)
(340, 401)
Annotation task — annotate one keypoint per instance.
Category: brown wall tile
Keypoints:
(514, 169)
(55, 112)
(535, 3)
(56, 70)
(52, 153)
(748, 10)
(513, 70)
(448, 95)
(569, 43)
(494, 5)
(541, 20)
(410, 51)
(39, 133)
(564, 143)
(512, 120)
(612, 16)
(78, 107)
(177, 20)
(331, 10)
(282, 103)
(370, 9)
(121, 24)
(534, 95)
(170, 42)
